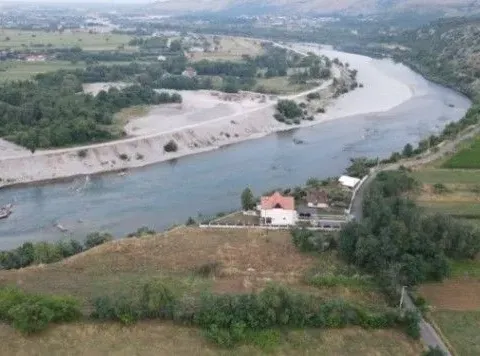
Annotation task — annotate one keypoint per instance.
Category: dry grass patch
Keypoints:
(177, 255)
(154, 338)
(229, 49)
(244, 260)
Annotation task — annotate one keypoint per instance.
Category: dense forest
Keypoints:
(53, 112)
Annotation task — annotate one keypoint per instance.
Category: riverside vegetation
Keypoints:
(51, 112)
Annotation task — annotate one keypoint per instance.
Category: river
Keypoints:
(165, 194)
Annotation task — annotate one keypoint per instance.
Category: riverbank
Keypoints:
(196, 131)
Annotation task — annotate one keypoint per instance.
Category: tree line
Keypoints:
(49, 252)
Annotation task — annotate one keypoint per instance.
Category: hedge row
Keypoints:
(31, 313)
(228, 319)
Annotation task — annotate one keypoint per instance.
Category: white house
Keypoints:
(349, 182)
(277, 210)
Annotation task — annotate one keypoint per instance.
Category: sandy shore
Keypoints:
(204, 121)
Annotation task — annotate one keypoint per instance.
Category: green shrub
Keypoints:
(434, 351)
(411, 322)
(170, 146)
(157, 300)
(82, 153)
(65, 309)
(45, 252)
(143, 231)
(30, 313)
(208, 269)
(440, 188)
(10, 297)
(122, 309)
(29, 317)
(97, 238)
(124, 157)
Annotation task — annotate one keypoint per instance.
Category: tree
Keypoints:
(248, 200)
(407, 150)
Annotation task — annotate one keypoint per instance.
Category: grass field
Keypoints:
(281, 85)
(245, 260)
(448, 176)
(166, 339)
(229, 49)
(468, 157)
(16, 39)
(20, 70)
(462, 330)
(461, 197)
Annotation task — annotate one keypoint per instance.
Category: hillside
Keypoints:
(192, 263)
(447, 51)
(316, 6)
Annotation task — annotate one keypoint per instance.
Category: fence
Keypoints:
(266, 227)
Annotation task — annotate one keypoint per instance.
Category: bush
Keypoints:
(208, 269)
(434, 351)
(440, 188)
(97, 238)
(30, 317)
(411, 321)
(82, 153)
(289, 109)
(143, 231)
(313, 96)
(171, 146)
(190, 221)
(30, 313)
(124, 157)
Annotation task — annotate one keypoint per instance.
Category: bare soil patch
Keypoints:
(453, 294)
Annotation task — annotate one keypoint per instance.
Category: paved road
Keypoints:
(428, 334)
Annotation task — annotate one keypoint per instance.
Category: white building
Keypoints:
(349, 182)
(278, 210)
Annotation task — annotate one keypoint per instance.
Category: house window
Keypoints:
(278, 206)
(268, 220)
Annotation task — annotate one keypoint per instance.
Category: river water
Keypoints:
(164, 194)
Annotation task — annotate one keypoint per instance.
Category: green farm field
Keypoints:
(20, 70)
(16, 39)
(468, 157)
(461, 329)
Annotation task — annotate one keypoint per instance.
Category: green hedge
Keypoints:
(229, 319)
(31, 313)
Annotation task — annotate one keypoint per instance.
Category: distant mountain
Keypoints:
(251, 7)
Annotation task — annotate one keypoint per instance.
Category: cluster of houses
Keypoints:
(280, 210)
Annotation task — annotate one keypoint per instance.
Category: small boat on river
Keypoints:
(6, 211)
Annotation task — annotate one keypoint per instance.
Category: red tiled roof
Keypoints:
(277, 201)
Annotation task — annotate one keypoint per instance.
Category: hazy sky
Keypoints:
(80, 2)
